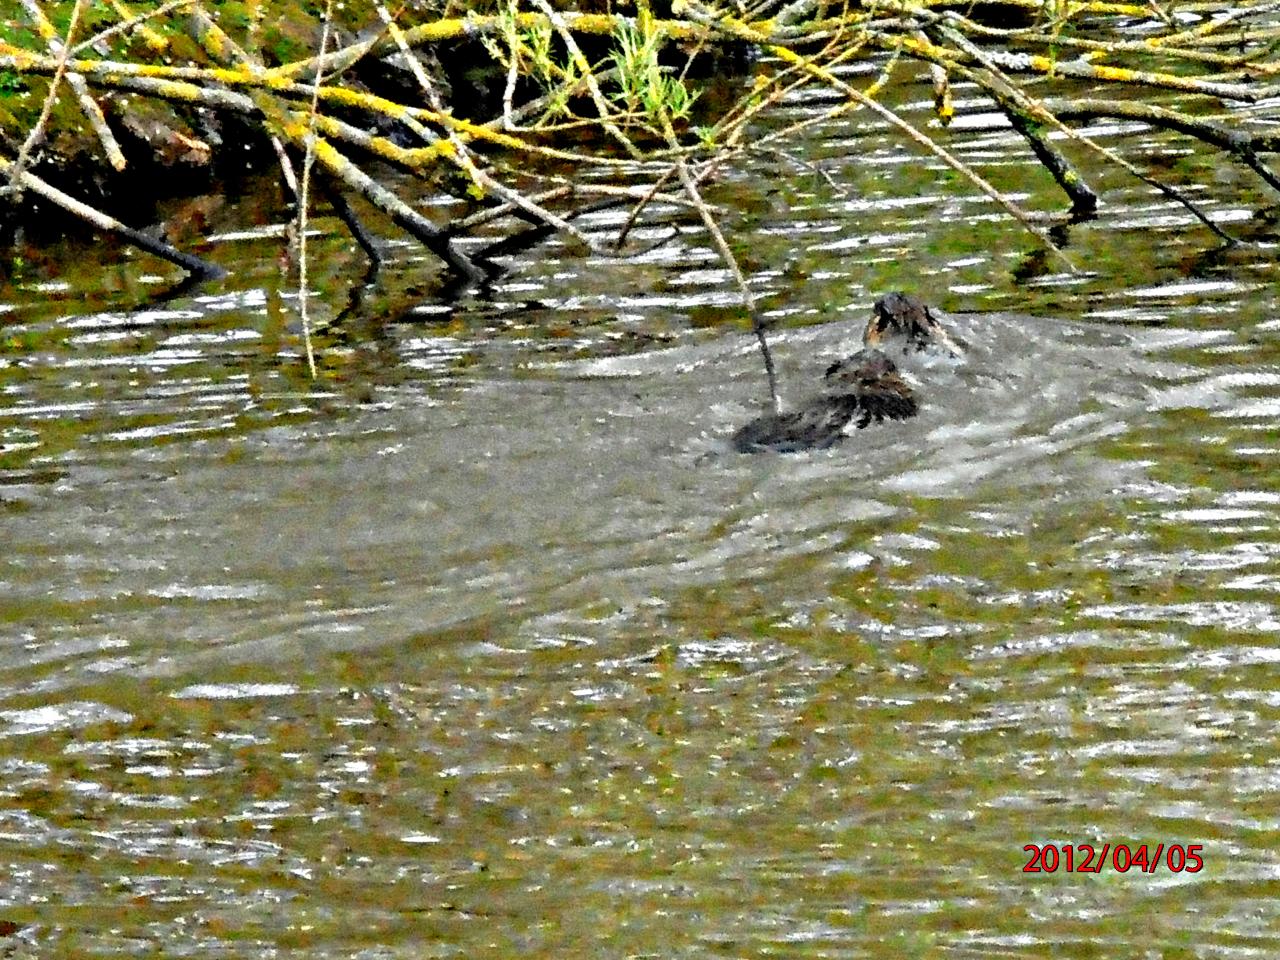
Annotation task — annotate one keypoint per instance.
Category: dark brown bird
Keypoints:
(900, 321)
(873, 379)
(866, 386)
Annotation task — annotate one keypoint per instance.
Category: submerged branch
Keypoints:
(102, 221)
(1049, 67)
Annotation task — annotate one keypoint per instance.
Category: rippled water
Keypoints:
(484, 644)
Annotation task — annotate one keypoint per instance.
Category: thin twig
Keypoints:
(36, 135)
(132, 21)
(1037, 111)
(304, 195)
(88, 106)
(730, 261)
(462, 156)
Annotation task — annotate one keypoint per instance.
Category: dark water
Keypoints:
(483, 644)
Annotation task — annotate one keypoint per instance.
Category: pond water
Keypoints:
(483, 643)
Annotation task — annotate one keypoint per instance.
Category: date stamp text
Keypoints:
(1120, 858)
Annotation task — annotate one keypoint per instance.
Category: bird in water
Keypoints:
(906, 324)
(865, 386)
(873, 379)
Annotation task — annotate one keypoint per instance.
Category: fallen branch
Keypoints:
(88, 106)
(106, 222)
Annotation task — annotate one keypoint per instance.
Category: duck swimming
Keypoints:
(903, 323)
(873, 379)
(866, 386)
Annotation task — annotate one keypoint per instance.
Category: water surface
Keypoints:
(484, 644)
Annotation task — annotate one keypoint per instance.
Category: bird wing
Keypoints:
(888, 398)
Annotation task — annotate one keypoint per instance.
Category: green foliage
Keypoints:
(22, 342)
(533, 52)
(98, 16)
(644, 87)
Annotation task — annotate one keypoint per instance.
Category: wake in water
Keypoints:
(538, 494)
(1023, 392)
